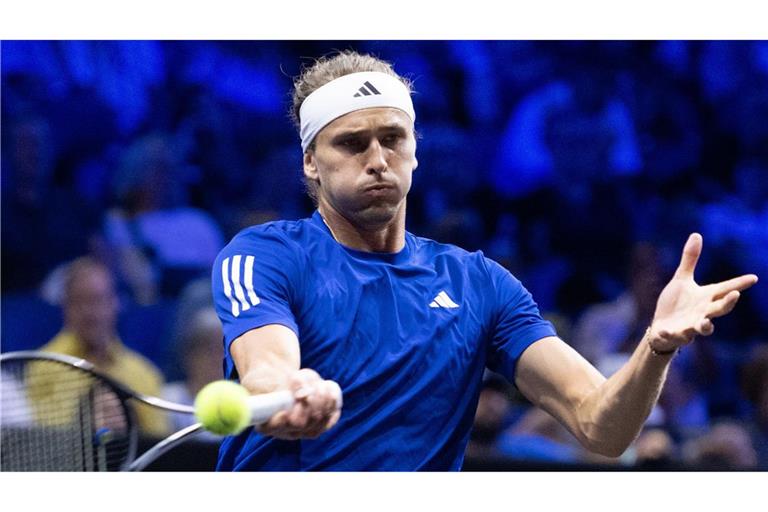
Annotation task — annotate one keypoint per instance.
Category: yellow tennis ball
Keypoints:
(222, 407)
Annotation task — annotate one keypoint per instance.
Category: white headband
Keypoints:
(349, 93)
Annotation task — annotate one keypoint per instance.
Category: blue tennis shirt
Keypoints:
(406, 335)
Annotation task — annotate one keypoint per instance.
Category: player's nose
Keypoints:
(376, 161)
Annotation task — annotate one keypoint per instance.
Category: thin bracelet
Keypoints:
(659, 352)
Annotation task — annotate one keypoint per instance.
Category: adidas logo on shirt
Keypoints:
(443, 301)
(366, 90)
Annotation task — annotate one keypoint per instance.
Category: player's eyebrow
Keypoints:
(393, 128)
(388, 128)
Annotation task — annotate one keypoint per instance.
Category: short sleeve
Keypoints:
(254, 283)
(517, 322)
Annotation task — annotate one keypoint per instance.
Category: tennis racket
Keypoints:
(58, 413)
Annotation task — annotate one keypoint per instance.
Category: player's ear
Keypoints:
(310, 165)
(416, 137)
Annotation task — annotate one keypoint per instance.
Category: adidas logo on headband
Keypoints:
(350, 93)
(366, 90)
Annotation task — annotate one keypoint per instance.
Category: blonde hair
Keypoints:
(322, 71)
(331, 67)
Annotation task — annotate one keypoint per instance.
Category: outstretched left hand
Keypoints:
(685, 308)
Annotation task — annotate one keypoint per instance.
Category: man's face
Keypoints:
(90, 308)
(363, 162)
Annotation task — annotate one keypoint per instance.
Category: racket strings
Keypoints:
(55, 417)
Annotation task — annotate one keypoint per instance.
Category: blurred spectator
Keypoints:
(684, 403)
(544, 270)
(568, 132)
(503, 246)
(491, 418)
(195, 296)
(538, 436)
(42, 224)
(159, 242)
(14, 406)
(480, 87)
(463, 228)
(90, 314)
(754, 380)
(524, 162)
(726, 446)
(737, 222)
(618, 326)
(521, 433)
(446, 166)
(593, 136)
(733, 77)
(654, 449)
(207, 131)
(280, 187)
(201, 355)
(668, 122)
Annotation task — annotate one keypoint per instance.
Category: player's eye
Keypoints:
(390, 140)
(353, 144)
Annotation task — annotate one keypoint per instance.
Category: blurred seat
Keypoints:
(27, 321)
(147, 330)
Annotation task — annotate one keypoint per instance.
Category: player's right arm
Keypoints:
(268, 359)
(256, 281)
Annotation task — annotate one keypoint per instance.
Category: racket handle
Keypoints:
(264, 406)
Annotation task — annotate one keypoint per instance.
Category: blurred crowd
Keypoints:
(580, 166)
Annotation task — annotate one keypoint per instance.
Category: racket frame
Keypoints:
(131, 463)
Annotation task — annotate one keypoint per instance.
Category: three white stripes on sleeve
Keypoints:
(238, 300)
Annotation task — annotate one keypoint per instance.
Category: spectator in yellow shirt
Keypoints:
(90, 306)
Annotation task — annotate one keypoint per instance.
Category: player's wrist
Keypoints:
(658, 346)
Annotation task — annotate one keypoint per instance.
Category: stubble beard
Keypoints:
(377, 215)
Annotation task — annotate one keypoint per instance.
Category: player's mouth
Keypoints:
(379, 188)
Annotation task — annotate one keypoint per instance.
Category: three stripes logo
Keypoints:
(239, 291)
(366, 90)
(443, 301)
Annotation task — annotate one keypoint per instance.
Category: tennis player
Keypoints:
(349, 301)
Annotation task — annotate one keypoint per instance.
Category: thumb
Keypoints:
(690, 257)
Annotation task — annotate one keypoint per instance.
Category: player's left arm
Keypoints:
(606, 415)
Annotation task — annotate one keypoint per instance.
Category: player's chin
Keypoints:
(377, 213)
(382, 205)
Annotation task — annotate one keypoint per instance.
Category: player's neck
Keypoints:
(388, 238)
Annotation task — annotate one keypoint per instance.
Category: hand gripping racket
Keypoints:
(58, 413)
